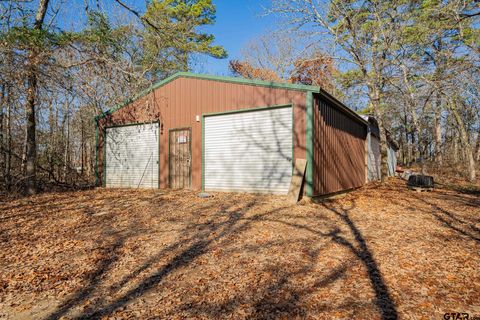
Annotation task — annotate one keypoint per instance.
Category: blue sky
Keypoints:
(238, 22)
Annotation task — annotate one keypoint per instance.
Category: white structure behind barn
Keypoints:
(392, 157)
(374, 152)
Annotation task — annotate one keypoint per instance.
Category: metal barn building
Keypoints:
(230, 134)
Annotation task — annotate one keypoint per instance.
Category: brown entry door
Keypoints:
(180, 158)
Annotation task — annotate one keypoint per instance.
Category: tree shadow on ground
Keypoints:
(103, 267)
(472, 189)
(197, 238)
(279, 298)
(452, 221)
(274, 297)
(384, 301)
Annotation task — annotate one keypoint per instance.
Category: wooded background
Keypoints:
(414, 65)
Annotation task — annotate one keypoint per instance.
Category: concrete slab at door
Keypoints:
(132, 156)
(249, 151)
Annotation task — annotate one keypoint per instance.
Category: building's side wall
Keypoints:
(339, 150)
(177, 104)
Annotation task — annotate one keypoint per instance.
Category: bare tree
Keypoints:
(363, 32)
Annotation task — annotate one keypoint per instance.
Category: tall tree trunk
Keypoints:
(411, 150)
(438, 132)
(8, 142)
(438, 155)
(2, 131)
(32, 84)
(51, 145)
(374, 95)
(67, 143)
(411, 106)
(82, 146)
(455, 149)
(31, 145)
(402, 150)
(88, 169)
(477, 148)
(463, 136)
(407, 149)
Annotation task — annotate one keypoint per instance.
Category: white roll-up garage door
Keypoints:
(249, 151)
(132, 156)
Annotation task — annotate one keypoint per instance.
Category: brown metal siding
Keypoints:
(339, 150)
(177, 103)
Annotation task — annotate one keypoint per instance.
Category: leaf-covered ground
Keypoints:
(378, 252)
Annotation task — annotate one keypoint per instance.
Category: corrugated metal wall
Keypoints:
(177, 103)
(339, 150)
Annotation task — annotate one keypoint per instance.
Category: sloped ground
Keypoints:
(378, 252)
